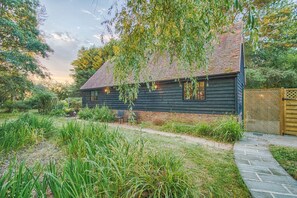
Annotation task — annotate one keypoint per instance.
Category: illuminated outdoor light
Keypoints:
(107, 90)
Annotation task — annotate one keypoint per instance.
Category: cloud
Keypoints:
(63, 36)
(97, 18)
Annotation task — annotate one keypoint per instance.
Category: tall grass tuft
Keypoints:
(20, 181)
(101, 163)
(27, 129)
(226, 129)
(104, 164)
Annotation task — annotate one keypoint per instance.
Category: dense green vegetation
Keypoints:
(27, 129)
(104, 162)
(226, 129)
(89, 60)
(21, 43)
(287, 157)
(103, 114)
(274, 62)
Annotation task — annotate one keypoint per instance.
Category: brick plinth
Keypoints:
(149, 116)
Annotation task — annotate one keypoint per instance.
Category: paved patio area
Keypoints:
(260, 171)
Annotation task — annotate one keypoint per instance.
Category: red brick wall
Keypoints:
(150, 116)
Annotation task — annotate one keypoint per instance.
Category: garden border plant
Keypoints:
(226, 129)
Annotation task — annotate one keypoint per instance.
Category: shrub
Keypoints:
(44, 101)
(75, 103)
(22, 105)
(103, 114)
(27, 129)
(57, 112)
(85, 113)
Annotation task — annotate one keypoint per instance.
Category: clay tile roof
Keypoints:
(224, 59)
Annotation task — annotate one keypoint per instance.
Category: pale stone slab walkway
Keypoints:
(262, 174)
(186, 138)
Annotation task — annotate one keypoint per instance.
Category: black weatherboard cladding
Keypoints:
(221, 98)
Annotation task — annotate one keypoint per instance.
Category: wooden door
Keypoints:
(290, 111)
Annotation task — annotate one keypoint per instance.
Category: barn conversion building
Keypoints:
(219, 91)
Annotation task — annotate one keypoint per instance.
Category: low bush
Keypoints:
(85, 113)
(27, 129)
(103, 114)
(226, 129)
(75, 103)
(57, 112)
(21, 106)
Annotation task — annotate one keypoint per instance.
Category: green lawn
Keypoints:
(287, 157)
(207, 171)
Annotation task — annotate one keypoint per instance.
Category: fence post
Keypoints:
(282, 111)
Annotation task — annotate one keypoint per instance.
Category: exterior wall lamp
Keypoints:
(107, 90)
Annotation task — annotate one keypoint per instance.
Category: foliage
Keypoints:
(287, 157)
(75, 103)
(69, 107)
(25, 130)
(225, 129)
(62, 90)
(85, 113)
(103, 114)
(102, 163)
(125, 168)
(228, 129)
(21, 43)
(183, 30)
(10, 106)
(20, 181)
(43, 99)
(89, 61)
(273, 63)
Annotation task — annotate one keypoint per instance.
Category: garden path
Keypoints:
(186, 138)
(260, 171)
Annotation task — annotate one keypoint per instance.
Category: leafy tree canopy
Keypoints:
(20, 44)
(274, 62)
(184, 29)
(90, 60)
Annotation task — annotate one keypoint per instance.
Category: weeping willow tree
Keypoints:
(185, 30)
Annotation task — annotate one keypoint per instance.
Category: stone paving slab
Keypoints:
(261, 173)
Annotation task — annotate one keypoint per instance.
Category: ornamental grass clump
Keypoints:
(103, 163)
(226, 129)
(20, 181)
(27, 129)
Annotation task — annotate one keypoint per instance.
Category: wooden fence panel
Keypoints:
(290, 111)
(263, 110)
